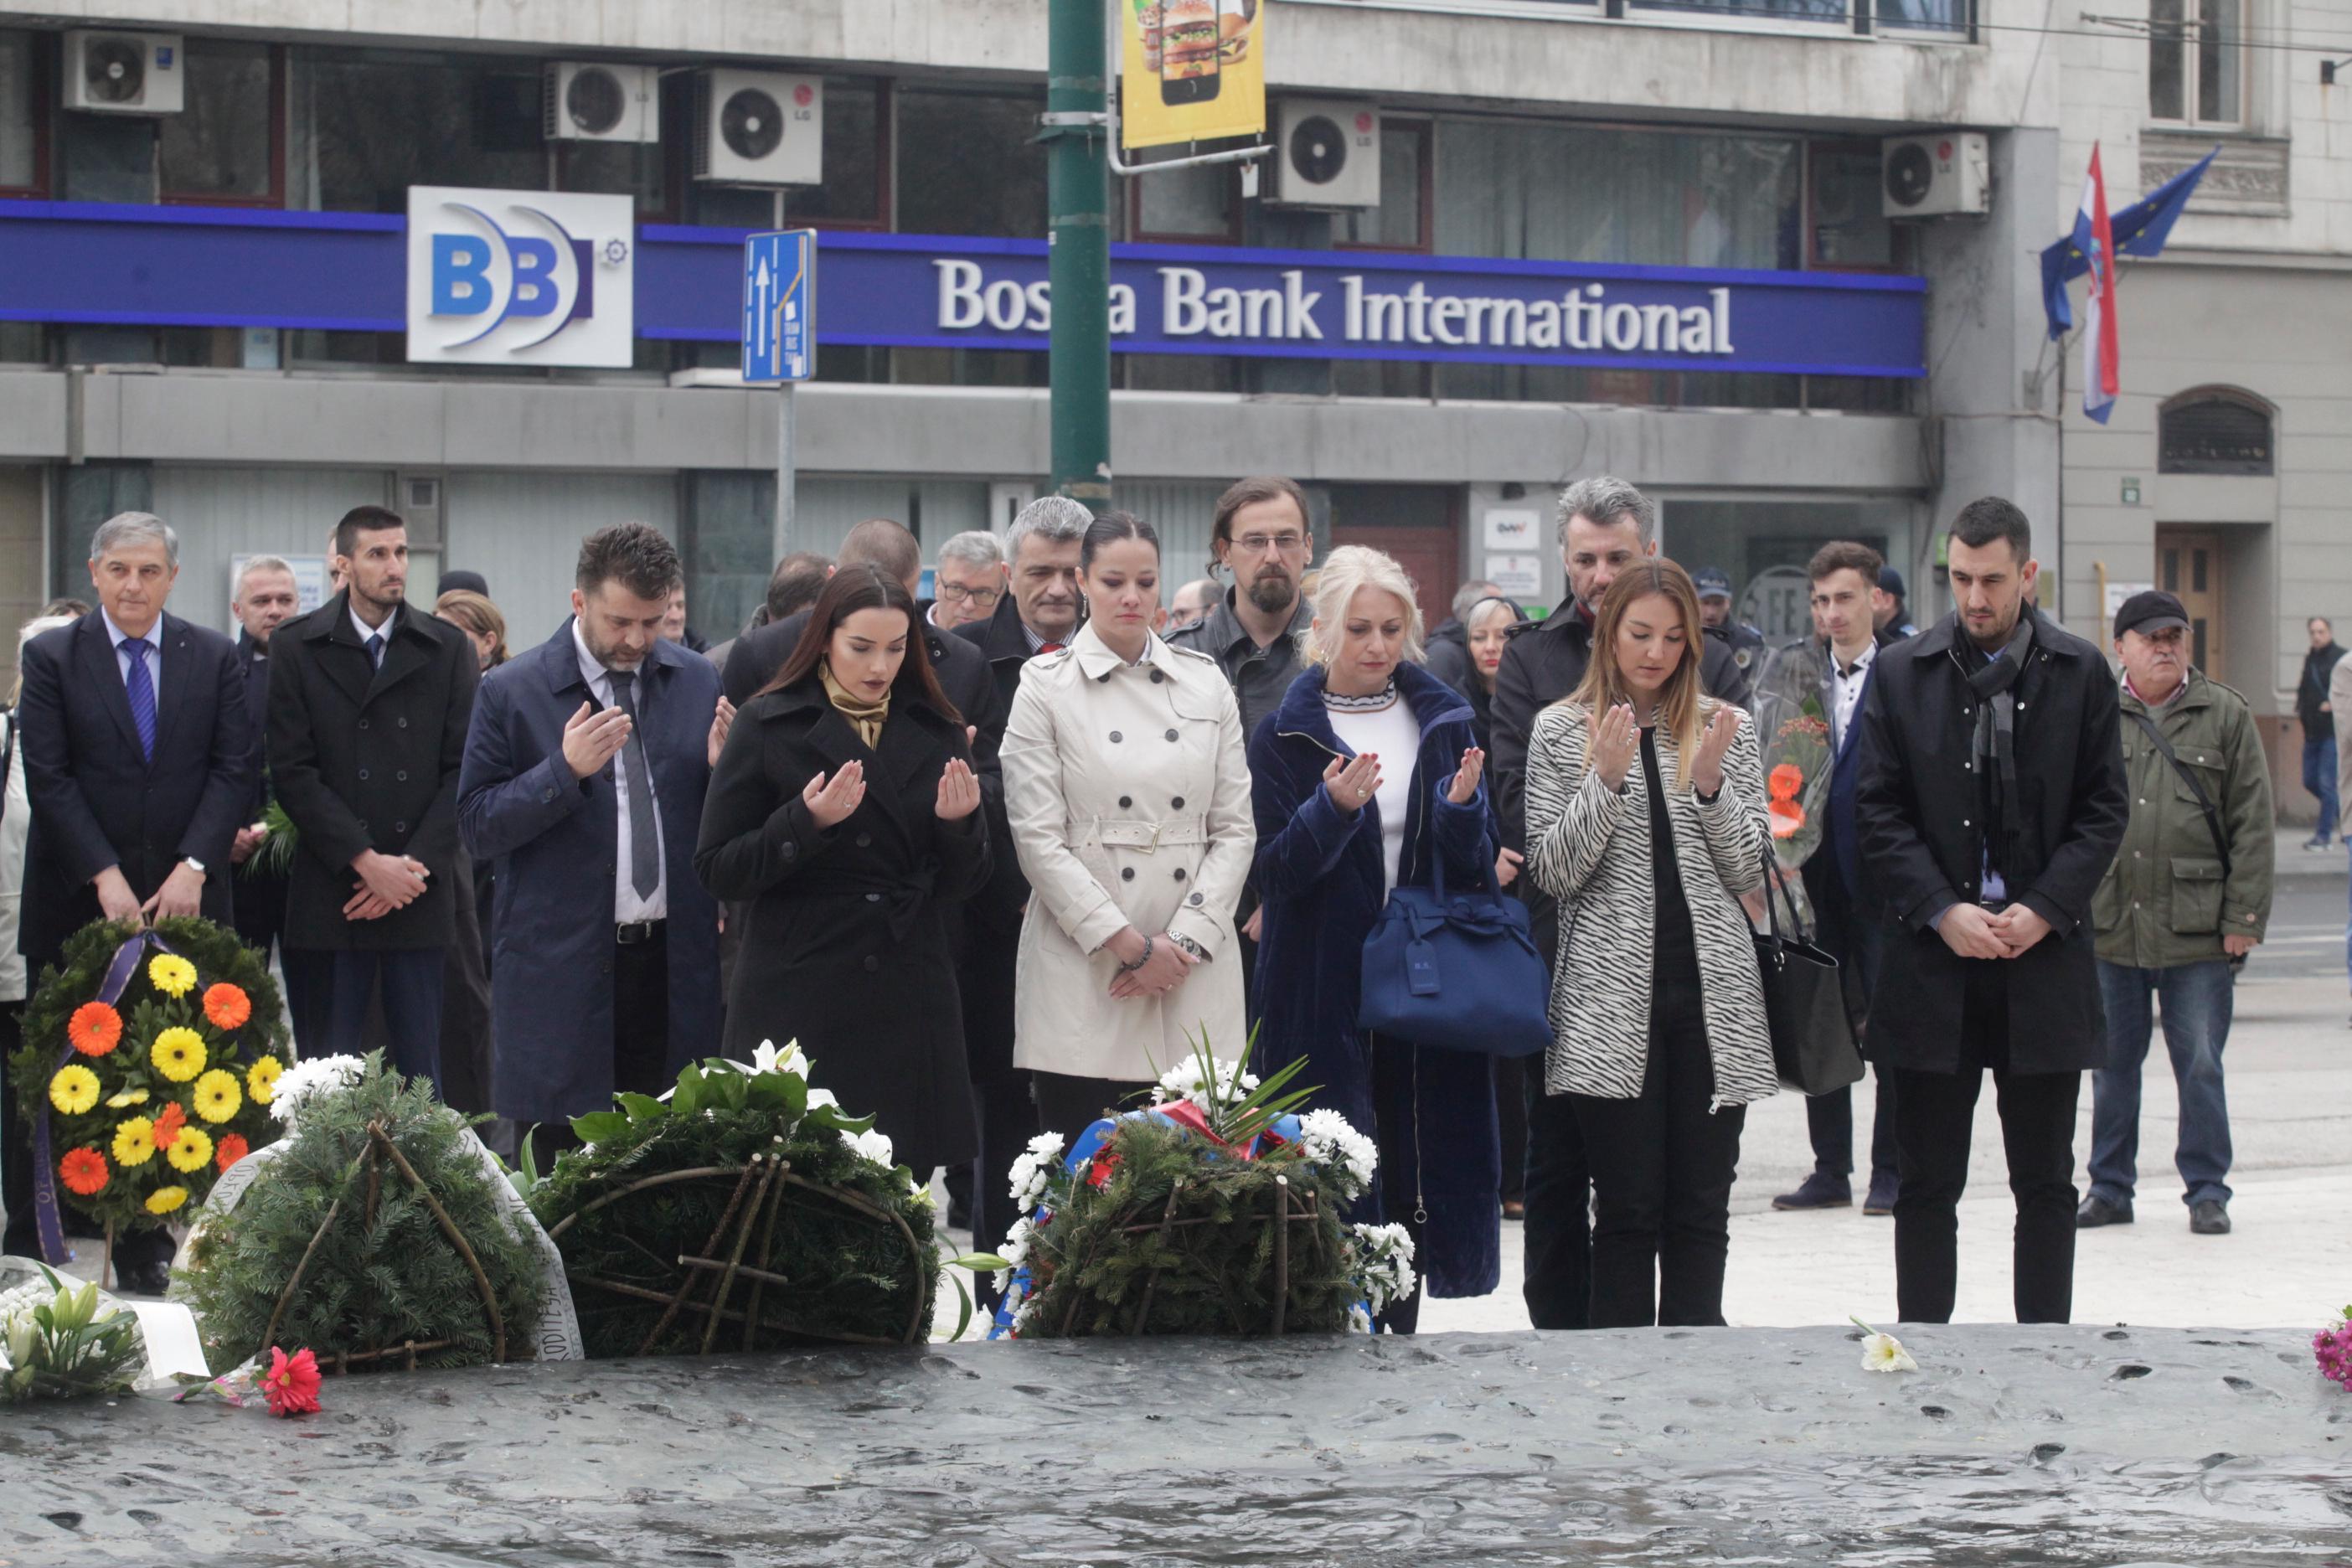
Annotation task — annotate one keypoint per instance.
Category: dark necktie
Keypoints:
(645, 848)
(375, 649)
(139, 686)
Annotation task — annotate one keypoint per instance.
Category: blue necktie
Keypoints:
(139, 687)
(375, 649)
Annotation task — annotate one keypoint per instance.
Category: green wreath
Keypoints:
(150, 1100)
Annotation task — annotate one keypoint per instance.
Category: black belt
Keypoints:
(629, 933)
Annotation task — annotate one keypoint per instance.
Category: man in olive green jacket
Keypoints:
(2186, 899)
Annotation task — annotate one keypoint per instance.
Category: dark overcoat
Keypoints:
(1921, 825)
(847, 950)
(367, 758)
(1318, 872)
(97, 802)
(260, 894)
(554, 838)
(993, 917)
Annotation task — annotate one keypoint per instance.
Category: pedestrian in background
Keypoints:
(2315, 706)
(264, 598)
(1128, 794)
(1363, 781)
(369, 702)
(970, 578)
(845, 812)
(2188, 897)
(19, 1238)
(1723, 622)
(1992, 797)
(1645, 819)
(480, 620)
(1888, 606)
(1191, 602)
(1447, 655)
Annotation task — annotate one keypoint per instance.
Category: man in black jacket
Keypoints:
(1991, 798)
(2311, 706)
(369, 700)
(139, 759)
(1605, 525)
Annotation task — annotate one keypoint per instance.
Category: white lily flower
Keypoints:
(1883, 1353)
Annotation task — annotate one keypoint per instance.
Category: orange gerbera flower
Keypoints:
(95, 1028)
(227, 1006)
(1786, 816)
(1786, 781)
(84, 1171)
(168, 1123)
(230, 1150)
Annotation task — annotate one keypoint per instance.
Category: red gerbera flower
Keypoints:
(84, 1171)
(292, 1383)
(230, 1150)
(227, 1006)
(95, 1028)
(168, 1122)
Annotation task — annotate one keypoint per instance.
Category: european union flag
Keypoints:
(2140, 229)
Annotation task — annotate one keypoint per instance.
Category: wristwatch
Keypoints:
(1188, 945)
(193, 864)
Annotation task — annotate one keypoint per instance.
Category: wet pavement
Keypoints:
(2011, 1446)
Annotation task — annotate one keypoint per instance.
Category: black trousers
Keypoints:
(1934, 1115)
(1662, 1170)
(1828, 1118)
(412, 981)
(640, 1035)
(1069, 1105)
(1559, 1195)
(1511, 1078)
(1007, 1115)
(19, 1238)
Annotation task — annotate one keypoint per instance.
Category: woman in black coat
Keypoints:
(846, 810)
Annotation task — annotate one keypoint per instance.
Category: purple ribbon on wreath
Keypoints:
(47, 1217)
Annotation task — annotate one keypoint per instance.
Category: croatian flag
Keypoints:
(2096, 241)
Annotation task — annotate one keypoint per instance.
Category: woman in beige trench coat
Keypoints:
(1128, 794)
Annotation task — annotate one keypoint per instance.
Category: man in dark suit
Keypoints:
(1832, 669)
(585, 770)
(1605, 524)
(368, 705)
(139, 765)
(1991, 796)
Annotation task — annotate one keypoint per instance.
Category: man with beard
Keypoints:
(369, 702)
(1605, 525)
(1262, 537)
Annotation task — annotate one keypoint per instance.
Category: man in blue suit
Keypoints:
(585, 774)
(1844, 646)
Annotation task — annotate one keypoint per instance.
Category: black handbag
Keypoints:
(1813, 1047)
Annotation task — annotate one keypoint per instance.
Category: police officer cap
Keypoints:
(1711, 583)
(2149, 611)
(1890, 580)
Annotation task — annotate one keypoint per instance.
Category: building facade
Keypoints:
(201, 309)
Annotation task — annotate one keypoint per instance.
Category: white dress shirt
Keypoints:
(366, 631)
(121, 640)
(1846, 691)
(627, 908)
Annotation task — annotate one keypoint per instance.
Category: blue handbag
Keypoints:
(1455, 971)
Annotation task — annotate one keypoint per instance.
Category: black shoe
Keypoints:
(2097, 1211)
(1818, 1191)
(143, 1278)
(1880, 1200)
(2316, 844)
(2210, 1217)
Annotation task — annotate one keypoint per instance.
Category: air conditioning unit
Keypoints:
(1936, 175)
(1327, 153)
(593, 102)
(125, 73)
(759, 128)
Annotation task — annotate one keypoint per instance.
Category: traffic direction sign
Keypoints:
(780, 306)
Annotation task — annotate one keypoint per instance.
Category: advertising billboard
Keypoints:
(1190, 70)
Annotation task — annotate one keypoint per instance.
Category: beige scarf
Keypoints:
(866, 718)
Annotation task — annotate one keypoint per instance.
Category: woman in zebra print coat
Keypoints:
(1645, 819)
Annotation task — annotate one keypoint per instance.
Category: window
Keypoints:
(369, 123)
(2214, 430)
(1187, 205)
(1846, 227)
(1761, 10)
(1923, 16)
(1402, 220)
(226, 146)
(2195, 72)
(971, 164)
(856, 189)
(23, 117)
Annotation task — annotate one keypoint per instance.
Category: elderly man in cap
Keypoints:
(2185, 900)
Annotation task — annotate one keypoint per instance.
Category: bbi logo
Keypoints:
(520, 278)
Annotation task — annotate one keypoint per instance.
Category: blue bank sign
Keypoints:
(531, 267)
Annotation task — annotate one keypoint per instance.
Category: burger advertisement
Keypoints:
(1193, 71)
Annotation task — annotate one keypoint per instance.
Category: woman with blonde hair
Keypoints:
(479, 619)
(1363, 781)
(1645, 819)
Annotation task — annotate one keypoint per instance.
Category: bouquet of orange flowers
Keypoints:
(1797, 761)
(149, 1062)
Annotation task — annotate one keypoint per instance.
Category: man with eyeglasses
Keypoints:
(971, 579)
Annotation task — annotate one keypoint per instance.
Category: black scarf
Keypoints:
(1994, 749)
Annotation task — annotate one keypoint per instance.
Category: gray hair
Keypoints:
(1608, 501)
(134, 528)
(1057, 520)
(261, 564)
(1468, 597)
(977, 548)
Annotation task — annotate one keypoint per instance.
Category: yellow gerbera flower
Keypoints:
(127, 1099)
(135, 1142)
(217, 1096)
(164, 1200)
(193, 1150)
(172, 974)
(261, 1079)
(178, 1054)
(74, 1089)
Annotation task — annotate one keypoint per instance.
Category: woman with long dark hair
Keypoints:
(1645, 819)
(845, 811)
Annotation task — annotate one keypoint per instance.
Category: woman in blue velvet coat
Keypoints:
(1365, 774)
